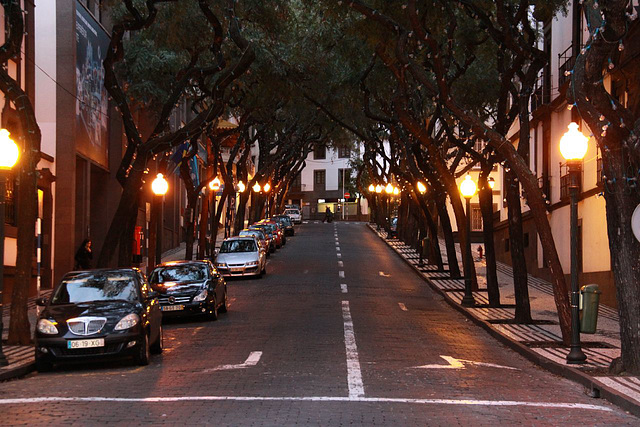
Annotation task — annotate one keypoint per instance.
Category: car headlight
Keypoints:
(127, 322)
(253, 263)
(48, 327)
(201, 296)
(221, 264)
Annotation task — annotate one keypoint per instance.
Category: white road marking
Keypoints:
(337, 244)
(354, 375)
(339, 255)
(341, 274)
(460, 364)
(343, 286)
(336, 239)
(252, 360)
(383, 274)
(402, 306)
(340, 264)
(338, 248)
(361, 399)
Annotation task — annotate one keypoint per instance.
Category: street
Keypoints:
(340, 331)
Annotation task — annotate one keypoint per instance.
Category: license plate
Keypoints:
(237, 270)
(172, 307)
(98, 342)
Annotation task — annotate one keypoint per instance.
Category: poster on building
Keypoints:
(92, 130)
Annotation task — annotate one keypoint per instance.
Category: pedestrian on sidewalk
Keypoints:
(84, 255)
(480, 252)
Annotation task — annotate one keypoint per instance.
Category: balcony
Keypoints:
(541, 93)
(566, 62)
(545, 185)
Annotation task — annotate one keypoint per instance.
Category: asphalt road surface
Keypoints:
(339, 332)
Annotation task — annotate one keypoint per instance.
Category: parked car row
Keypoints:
(117, 313)
(246, 254)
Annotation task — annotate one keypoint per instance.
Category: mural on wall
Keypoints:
(92, 131)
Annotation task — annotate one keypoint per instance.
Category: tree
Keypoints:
(28, 133)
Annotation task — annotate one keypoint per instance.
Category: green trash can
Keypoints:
(589, 313)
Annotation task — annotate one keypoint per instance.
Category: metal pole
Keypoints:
(158, 200)
(468, 300)
(575, 356)
(3, 192)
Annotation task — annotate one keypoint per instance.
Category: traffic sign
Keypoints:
(347, 195)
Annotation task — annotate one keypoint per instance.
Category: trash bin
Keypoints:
(589, 314)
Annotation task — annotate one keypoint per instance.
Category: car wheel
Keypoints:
(225, 304)
(144, 353)
(213, 313)
(158, 346)
(43, 365)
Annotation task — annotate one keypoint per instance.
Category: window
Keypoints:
(297, 182)
(319, 152)
(506, 245)
(344, 153)
(319, 177)
(343, 176)
(476, 218)
(599, 169)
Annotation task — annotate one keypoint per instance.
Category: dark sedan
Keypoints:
(189, 288)
(98, 314)
(286, 223)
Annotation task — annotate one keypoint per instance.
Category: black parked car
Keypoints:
(189, 287)
(98, 314)
(286, 224)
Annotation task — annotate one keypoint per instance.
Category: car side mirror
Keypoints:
(41, 302)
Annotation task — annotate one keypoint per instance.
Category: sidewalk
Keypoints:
(541, 341)
(21, 358)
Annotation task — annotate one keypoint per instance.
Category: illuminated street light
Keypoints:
(241, 187)
(378, 188)
(389, 189)
(396, 191)
(468, 189)
(372, 188)
(422, 188)
(256, 188)
(573, 147)
(492, 182)
(266, 187)
(215, 184)
(159, 186)
(9, 154)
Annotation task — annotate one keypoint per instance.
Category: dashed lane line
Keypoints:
(341, 274)
(337, 248)
(340, 264)
(361, 399)
(402, 306)
(343, 287)
(339, 255)
(354, 375)
(252, 360)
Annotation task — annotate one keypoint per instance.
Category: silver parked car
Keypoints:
(241, 256)
(294, 214)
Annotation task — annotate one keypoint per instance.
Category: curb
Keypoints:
(19, 371)
(594, 387)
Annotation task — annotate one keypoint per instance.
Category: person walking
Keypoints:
(84, 255)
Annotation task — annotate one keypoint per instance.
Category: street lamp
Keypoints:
(266, 187)
(389, 188)
(492, 182)
(573, 147)
(241, 187)
(372, 188)
(422, 188)
(9, 154)
(396, 191)
(159, 187)
(215, 184)
(468, 189)
(256, 188)
(378, 189)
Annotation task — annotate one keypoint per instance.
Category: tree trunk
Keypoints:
(625, 256)
(447, 231)
(241, 212)
(516, 248)
(127, 208)
(486, 206)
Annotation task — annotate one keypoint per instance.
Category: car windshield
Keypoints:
(96, 286)
(255, 233)
(233, 246)
(179, 273)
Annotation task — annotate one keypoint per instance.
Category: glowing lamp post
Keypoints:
(421, 187)
(159, 187)
(378, 189)
(468, 189)
(9, 154)
(241, 187)
(492, 182)
(265, 188)
(388, 189)
(573, 147)
(215, 184)
(372, 188)
(256, 188)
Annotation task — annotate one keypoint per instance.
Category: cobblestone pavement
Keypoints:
(341, 331)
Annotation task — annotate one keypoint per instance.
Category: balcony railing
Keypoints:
(10, 203)
(541, 93)
(566, 62)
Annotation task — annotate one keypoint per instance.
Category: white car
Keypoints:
(294, 214)
(241, 256)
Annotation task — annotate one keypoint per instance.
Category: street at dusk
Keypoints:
(328, 350)
(319, 212)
